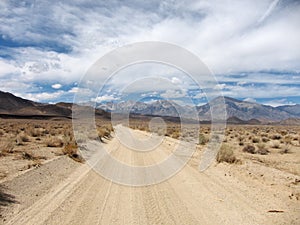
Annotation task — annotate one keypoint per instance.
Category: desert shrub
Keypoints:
(6, 147)
(276, 137)
(24, 137)
(54, 142)
(226, 154)
(249, 149)
(240, 138)
(71, 150)
(202, 139)
(54, 132)
(288, 140)
(255, 140)
(30, 156)
(275, 144)
(265, 139)
(176, 135)
(21, 138)
(286, 149)
(104, 132)
(262, 150)
(264, 134)
(36, 132)
(1, 133)
(283, 132)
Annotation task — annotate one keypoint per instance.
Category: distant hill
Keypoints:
(9, 102)
(236, 120)
(253, 113)
(244, 110)
(13, 106)
(292, 109)
(290, 122)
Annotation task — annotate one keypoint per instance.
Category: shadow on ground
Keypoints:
(5, 198)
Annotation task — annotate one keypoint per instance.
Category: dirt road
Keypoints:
(189, 197)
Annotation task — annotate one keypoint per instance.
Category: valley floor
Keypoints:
(62, 191)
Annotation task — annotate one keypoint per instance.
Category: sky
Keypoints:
(251, 46)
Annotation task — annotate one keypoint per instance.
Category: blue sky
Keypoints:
(251, 46)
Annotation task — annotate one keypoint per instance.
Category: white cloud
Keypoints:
(6, 68)
(56, 86)
(74, 90)
(220, 86)
(250, 100)
(176, 80)
(40, 97)
(243, 36)
(104, 98)
(170, 94)
(265, 91)
(278, 102)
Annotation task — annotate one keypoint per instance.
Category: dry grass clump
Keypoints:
(265, 139)
(255, 140)
(30, 156)
(202, 139)
(54, 142)
(6, 147)
(241, 138)
(275, 144)
(249, 149)
(71, 150)
(288, 139)
(286, 149)
(104, 132)
(175, 134)
(262, 150)
(21, 138)
(276, 137)
(226, 154)
(36, 132)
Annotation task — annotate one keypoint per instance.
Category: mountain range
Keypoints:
(242, 110)
(237, 111)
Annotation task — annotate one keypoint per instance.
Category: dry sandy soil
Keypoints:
(62, 191)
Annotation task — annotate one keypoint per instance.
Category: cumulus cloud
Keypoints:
(169, 94)
(104, 98)
(176, 80)
(278, 102)
(256, 38)
(250, 100)
(56, 86)
(41, 97)
(220, 86)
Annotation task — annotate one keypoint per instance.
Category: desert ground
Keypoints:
(255, 178)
